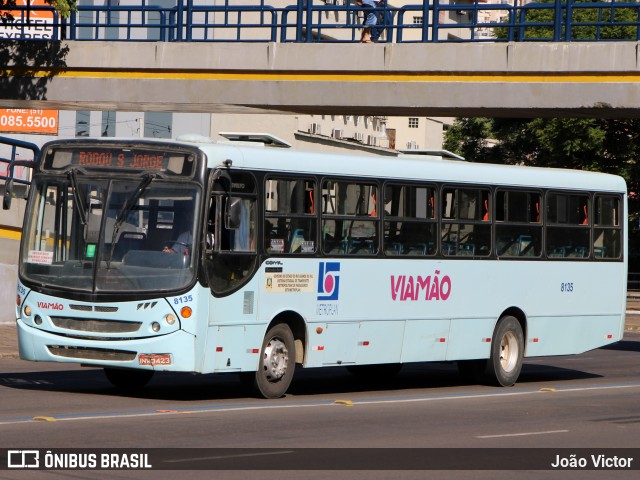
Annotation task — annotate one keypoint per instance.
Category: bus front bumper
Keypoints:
(171, 352)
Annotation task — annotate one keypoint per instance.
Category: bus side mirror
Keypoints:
(233, 214)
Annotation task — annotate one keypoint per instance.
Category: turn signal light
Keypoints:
(185, 312)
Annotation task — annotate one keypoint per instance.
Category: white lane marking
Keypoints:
(329, 403)
(523, 434)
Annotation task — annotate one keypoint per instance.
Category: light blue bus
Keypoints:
(140, 256)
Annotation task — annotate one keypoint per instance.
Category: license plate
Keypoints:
(154, 359)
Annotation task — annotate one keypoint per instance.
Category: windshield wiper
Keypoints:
(126, 209)
(76, 196)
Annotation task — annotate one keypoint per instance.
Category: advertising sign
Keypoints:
(16, 120)
(40, 22)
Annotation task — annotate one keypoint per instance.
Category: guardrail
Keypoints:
(328, 21)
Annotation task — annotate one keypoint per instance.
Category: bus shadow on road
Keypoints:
(625, 345)
(430, 376)
(325, 381)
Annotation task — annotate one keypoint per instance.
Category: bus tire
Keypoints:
(277, 362)
(507, 350)
(472, 371)
(128, 378)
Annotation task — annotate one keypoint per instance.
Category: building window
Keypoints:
(418, 20)
(108, 128)
(413, 122)
(82, 123)
(158, 124)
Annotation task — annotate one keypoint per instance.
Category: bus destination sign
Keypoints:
(178, 163)
(142, 161)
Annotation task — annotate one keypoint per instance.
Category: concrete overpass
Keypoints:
(437, 79)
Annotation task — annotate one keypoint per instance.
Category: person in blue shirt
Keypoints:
(182, 245)
(384, 19)
(370, 19)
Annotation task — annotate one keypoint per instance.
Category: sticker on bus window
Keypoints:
(308, 246)
(40, 257)
(277, 245)
(290, 282)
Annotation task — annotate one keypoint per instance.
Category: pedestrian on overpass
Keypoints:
(370, 19)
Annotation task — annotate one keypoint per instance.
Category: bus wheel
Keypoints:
(128, 378)
(507, 350)
(277, 362)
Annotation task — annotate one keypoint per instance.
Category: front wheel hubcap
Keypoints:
(276, 359)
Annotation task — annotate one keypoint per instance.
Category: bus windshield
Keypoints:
(111, 235)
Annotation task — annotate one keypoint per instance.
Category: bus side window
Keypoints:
(518, 227)
(567, 234)
(290, 220)
(607, 232)
(410, 226)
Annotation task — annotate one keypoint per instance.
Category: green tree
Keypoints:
(606, 145)
(64, 7)
(588, 22)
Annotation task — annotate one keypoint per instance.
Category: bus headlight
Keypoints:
(170, 319)
(37, 320)
(27, 311)
(155, 326)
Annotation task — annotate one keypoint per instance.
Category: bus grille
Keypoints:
(84, 353)
(89, 308)
(97, 326)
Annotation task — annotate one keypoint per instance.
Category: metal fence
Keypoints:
(333, 21)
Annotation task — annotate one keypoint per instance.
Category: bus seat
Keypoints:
(579, 252)
(468, 249)
(128, 241)
(558, 252)
(296, 241)
(448, 248)
(394, 248)
(416, 249)
(523, 244)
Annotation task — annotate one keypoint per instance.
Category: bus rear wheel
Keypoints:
(277, 362)
(507, 351)
(128, 378)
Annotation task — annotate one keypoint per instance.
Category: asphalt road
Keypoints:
(589, 401)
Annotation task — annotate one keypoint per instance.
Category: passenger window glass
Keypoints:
(290, 216)
(568, 235)
(607, 234)
(563, 209)
(468, 233)
(518, 226)
(350, 218)
(410, 223)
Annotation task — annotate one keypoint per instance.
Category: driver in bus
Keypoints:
(182, 244)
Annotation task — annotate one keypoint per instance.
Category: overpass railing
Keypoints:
(331, 21)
